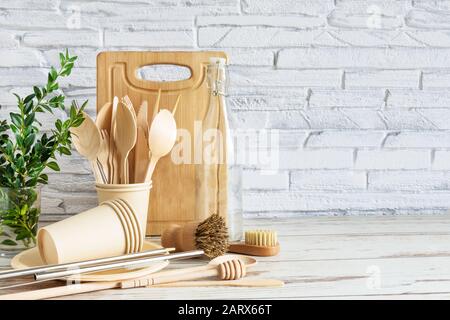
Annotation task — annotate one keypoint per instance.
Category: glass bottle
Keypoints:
(19, 216)
(218, 178)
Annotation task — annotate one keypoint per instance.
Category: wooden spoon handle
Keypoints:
(152, 280)
(224, 283)
(151, 168)
(165, 274)
(124, 179)
(60, 291)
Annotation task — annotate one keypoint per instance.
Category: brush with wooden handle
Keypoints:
(262, 243)
(211, 236)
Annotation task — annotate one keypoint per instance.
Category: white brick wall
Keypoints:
(359, 91)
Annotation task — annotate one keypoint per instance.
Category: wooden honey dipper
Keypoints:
(231, 269)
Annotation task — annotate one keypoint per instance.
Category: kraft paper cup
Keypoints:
(95, 233)
(136, 195)
(137, 228)
(132, 224)
(125, 224)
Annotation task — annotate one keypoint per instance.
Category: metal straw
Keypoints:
(118, 265)
(54, 267)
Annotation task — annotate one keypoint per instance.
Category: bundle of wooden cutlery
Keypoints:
(121, 145)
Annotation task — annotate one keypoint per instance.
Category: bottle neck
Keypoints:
(217, 79)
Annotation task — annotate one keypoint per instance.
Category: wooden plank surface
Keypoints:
(402, 257)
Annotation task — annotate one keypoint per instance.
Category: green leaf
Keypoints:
(64, 150)
(37, 92)
(24, 210)
(77, 122)
(19, 99)
(84, 105)
(53, 165)
(29, 119)
(9, 147)
(54, 86)
(29, 140)
(16, 119)
(53, 73)
(29, 98)
(46, 107)
(9, 242)
(62, 59)
(20, 162)
(23, 234)
(67, 69)
(19, 140)
(58, 125)
(14, 129)
(29, 107)
(73, 111)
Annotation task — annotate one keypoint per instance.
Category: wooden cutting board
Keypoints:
(173, 196)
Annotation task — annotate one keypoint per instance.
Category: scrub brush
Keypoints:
(257, 243)
(211, 236)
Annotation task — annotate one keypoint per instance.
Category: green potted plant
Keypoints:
(26, 152)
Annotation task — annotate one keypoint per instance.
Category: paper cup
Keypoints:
(137, 228)
(95, 233)
(126, 225)
(136, 195)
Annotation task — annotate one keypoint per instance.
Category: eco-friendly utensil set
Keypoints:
(229, 269)
(117, 132)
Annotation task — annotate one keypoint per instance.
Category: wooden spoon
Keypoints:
(161, 139)
(131, 155)
(86, 139)
(125, 135)
(103, 120)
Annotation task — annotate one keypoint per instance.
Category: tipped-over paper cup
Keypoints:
(136, 195)
(95, 233)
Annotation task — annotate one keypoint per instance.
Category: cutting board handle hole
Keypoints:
(163, 73)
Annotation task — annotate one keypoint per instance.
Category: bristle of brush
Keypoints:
(261, 238)
(211, 236)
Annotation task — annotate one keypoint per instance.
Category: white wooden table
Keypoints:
(333, 258)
